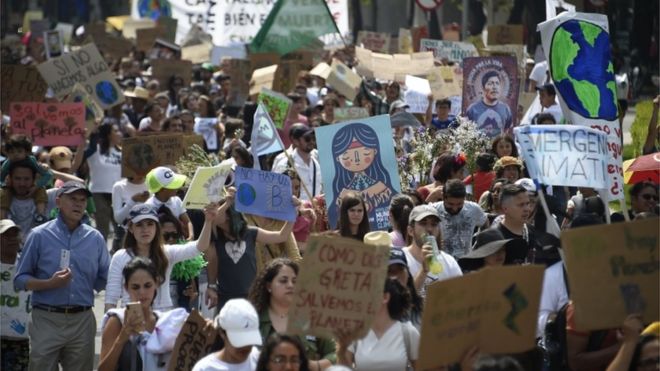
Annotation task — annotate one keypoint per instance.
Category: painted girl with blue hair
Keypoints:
(358, 167)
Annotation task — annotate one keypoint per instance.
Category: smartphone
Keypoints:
(134, 309)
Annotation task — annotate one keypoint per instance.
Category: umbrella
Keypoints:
(401, 119)
(642, 168)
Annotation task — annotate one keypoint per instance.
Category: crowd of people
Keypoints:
(72, 227)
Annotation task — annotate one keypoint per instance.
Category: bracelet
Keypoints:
(213, 286)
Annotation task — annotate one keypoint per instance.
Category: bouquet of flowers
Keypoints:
(194, 158)
(468, 139)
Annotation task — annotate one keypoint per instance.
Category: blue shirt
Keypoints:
(450, 122)
(492, 120)
(89, 262)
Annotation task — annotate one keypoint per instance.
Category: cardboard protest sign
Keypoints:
(143, 153)
(261, 60)
(416, 94)
(207, 128)
(117, 47)
(577, 47)
(195, 340)
(505, 34)
(54, 43)
(49, 124)
(164, 69)
(386, 66)
(276, 104)
(321, 70)
(131, 26)
(374, 41)
(170, 26)
(66, 29)
(490, 93)
(264, 193)
(206, 186)
(405, 41)
(117, 22)
(264, 138)
(350, 113)
(452, 80)
(197, 54)
(145, 37)
(344, 80)
(494, 309)
(21, 84)
(262, 78)
(92, 110)
(286, 76)
(567, 155)
(613, 271)
(240, 72)
(340, 286)
(358, 156)
(418, 33)
(190, 140)
(85, 66)
(452, 51)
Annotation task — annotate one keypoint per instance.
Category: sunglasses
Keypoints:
(167, 236)
(649, 197)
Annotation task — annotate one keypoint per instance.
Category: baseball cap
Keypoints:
(298, 131)
(60, 157)
(141, 212)
(73, 186)
(163, 177)
(398, 104)
(548, 88)
(528, 184)
(7, 224)
(241, 322)
(422, 211)
(397, 256)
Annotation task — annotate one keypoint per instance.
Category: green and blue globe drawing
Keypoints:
(581, 67)
(153, 9)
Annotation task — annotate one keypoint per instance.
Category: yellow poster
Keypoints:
(206, 186)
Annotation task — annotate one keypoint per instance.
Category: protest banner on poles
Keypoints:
(613, 271)
(494, 309)
(195, 340)
(49, 124)
(21, 84)
(387, 66)
(264, 193)
(87, 67)
(206, 186)
(567, 155)
(577, 47)
(375, 41)
(416, 94)
(340, 286)
(452, 51)
(143, 153)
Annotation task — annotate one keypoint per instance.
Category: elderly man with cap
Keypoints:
(15, 304)
(238, 325)
(424, 224)
(307, 167)
(63, 262)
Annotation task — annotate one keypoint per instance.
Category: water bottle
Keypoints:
(435, 267)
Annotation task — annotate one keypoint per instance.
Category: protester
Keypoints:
(443, 119)
(62, 325)
(480, 181)
(504, 145)
(447, 166)
(548, 99)
(21, 207)
(490, 200)
(307, 167)
(272, 297)
(643, 198)
(163, 184)
(490, 249)
(353, 218)
(509, 167)
(282, 352)
(516, 209)
(126, 193)
(400, 208)
(397, 269)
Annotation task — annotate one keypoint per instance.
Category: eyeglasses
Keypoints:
(648, 197)
(280, 360)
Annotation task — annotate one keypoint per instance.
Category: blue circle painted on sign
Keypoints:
(246, 194)
(106, 92)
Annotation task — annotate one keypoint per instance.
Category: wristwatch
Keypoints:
(213, 286)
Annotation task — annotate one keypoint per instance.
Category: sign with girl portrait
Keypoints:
(490, 93)
(358, 156)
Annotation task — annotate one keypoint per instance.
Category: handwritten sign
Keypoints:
(276, 104)
(494, 309)
(505, 34)
(416, 95)
(374, 41)
(21, 84)
(340, 286)
(240, 72)
(190, 140)
(199, 53)
(92, 110)
(143, 153)
(193, 342)
(262, 79)
(49, 124)
(87, 67)
(164, 69)
(344, 80)
(350, 113)
(207, 186)
(452, 51)
(566, 155)
(145, 37)
(386, 66)
(613, 270)
(264, 193)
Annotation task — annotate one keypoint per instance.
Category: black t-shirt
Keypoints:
(237, 265)
(520, 248)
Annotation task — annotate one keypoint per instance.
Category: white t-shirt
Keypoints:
(387, 353)
(175, 204)
(450, 269)
(104, 170)
(555, 111)
(457, 230)
(540, 73)
(114, 289)
(14, 306)
(122, 198)
(307, 173)
(553, 295)
(212, 363)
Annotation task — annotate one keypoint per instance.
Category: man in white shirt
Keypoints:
(424, 221)
(458, 218)
(539, 75)
(548, 99)
(308, 168)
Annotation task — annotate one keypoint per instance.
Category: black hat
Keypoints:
(487, 243)
(298, 131)
(548, 88)
(397, 256)
(72, 186)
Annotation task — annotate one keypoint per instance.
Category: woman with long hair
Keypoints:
(353, 220)
(103, 157)
(504, 145)
(490, 200)
(283, 352)
(447, 166)
(272, 296)
(400, 208)
(144, 238)
(126, 331)
(359, 168)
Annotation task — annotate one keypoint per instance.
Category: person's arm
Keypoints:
(113, 289)
(652, 131)
(210, 212)
(429, 112)
(65, 177)
(212, 274)
(112, 343)
(632, 327)
(274, 237)
(103, 265)
(28, 264)
(44, 172)
(78, 157)
(420, 277)
(190, 229)
(344, 356)
(580, 359)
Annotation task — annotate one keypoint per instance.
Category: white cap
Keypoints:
(241, 322)
(163, 177)
(527, 183)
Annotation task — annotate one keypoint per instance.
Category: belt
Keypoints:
(65, 310)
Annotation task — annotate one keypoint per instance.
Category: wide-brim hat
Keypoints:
(139, 92)
(378, 238)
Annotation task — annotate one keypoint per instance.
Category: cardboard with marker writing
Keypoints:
(613, 270)
(117, 46)
(197, 54)
(143, 153)
(340, 286)
(494, 309)
(49, 124)
(195, 340)
(240, 72)
(170, 25)
(164, 69)
(21, 84)
(192, 139)
(145, 37)
(262, 78)
(131, 26)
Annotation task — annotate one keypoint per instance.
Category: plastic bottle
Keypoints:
(435, 267)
